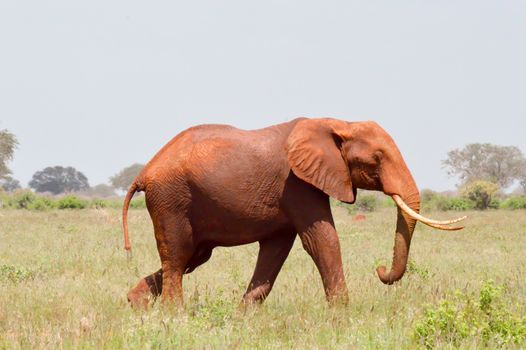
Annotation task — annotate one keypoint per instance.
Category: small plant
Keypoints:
(465, 315)
(71, 202)
(422, 271)
(15, 274)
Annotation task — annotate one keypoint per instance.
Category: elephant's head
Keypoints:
(338, 157)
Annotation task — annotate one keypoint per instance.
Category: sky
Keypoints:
(100, 85)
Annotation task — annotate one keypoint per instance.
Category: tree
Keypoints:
(522, 177)
(59, 180)
(101, 191)
(476, 161)
(9, 184)
(8, 144)
(480, 192)
(522, 182)
(125, 177)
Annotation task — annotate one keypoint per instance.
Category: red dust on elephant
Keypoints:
(216, 185)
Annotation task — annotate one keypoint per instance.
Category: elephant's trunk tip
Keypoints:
(388, 277)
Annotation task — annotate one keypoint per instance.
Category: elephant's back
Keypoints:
(213, 157)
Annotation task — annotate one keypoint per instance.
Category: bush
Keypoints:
(457, 204)
(463, 316)
(422, 271)
(21, 199)
(71, 202)
(138, 203)
(480, 192)
(494, 203)
(427, 196)
(430, 200)
(15, 274)
(41, 204)
(514, 203)
(98, 203)
(366, 202)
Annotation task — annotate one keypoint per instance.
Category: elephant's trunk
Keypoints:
(405, 226)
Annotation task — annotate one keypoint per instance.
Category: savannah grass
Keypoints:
(64, 278)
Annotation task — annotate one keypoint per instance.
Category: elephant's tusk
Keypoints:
(433, 223)
(445, 228)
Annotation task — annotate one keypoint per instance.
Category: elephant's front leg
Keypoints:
(321, 241)
(272, 255)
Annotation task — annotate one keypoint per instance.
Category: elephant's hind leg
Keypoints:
(148, 288)
(272, 255)
(175, 246)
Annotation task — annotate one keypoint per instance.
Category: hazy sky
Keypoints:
(99, 85)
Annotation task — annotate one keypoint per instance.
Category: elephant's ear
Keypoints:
(313, 150)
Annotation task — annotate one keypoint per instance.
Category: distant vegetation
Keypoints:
(125, 177)
(25, 199)
(8, 144)
(479, 195)
(501, 165)
(58, 180)
(485, 171)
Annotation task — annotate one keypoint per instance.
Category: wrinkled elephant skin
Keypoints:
(215, 185)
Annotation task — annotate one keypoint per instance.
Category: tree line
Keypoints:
(484, 170)
(58, 180)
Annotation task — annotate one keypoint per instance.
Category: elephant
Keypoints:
(217, 185)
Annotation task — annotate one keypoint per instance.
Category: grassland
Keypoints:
(64, 278)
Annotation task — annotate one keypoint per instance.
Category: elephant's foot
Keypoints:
(139, 296)
(148, 288)
(338, 296)
(256, 295)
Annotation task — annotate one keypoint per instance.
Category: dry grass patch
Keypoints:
(67, 278)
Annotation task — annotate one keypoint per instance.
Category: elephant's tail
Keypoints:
(133, 188)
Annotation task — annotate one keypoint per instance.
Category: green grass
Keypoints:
(64, 278)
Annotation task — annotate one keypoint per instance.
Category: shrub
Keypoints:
(427, 196)
(480, 192)
(21, 199)
(15, 274)
(434, 201)
(494, 203)
(41, 204)
(457, 204)
(463, 316)
(98, 204)
(422, 271)
(71, 202)
(366, 203)
(138, 203)
(514, 203)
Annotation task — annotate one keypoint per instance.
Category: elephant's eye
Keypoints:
(368, 177)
